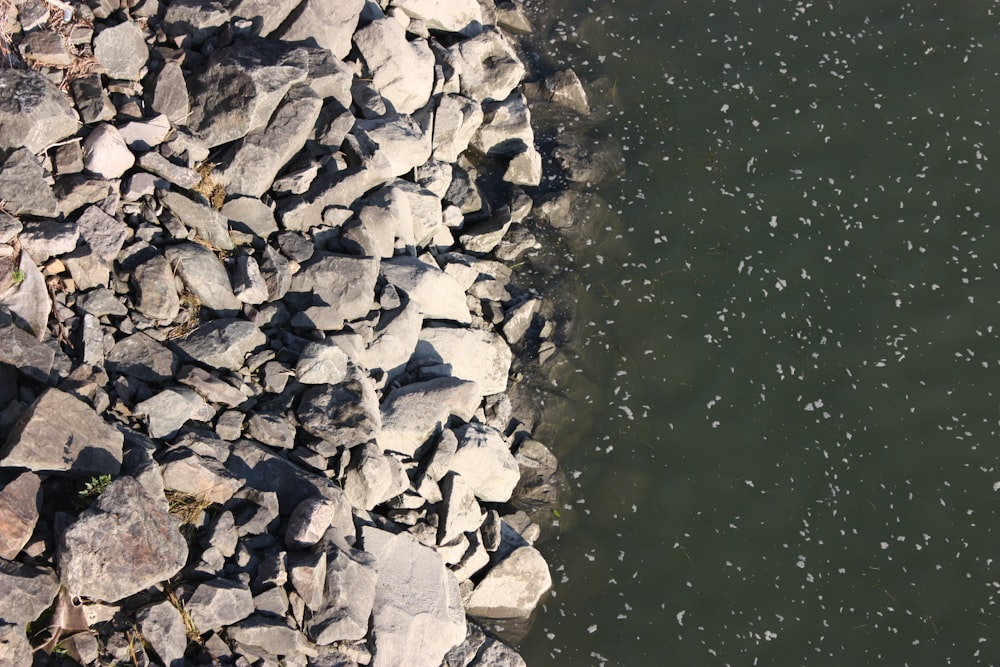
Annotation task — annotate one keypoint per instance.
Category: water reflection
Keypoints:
(789, 320)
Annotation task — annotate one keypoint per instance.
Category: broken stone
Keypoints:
(141, 357)
(105, 153)
(122, 51)
(19, 503)
(222, 343)
(217, 603)
(471, 354)
(34, 113)
(205, 276)
(414, 412)
(24, 188)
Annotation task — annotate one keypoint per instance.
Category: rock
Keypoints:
(34, 113)
(307, 574)
(222, 343)
(248, 282)
(9, 227)
(217, 603)
(240, 87)
(345, 414)
(44, 239)
(205, 276)
(563, 88)
(311, 519)
(271, 635)
(456, 121)
(168, 410)
(460, 513)
(142, 136)
(398, 142)
(29, 302)
(214, 389)
(162, 627)
(77, 190)
(156, 296)
(24, 188)
(485, 462)
(344, 283)
(272, 430)
(105, 153)
(45, 48)
(26, 591)
(194, 20)
(209, 224)
(105, 234)
(418, 615)
(350, 596)
(525, 168)
(19, 503)
(250, 214)
(322, 362)
(14, 646)
(331, 23)
(270, 13)
(482, 236)
(21, 350)
(497, 654)
(461, 16)
(276, 271)
(170, 94)
(59, 433)
(262, 153)
(488, 66)
(518, 319)
(100, 302)
(176, 174)
(414, 412)
(373, 477)
(471, 354)
(465, 653)
(438, 295)
(122, 51)
(141, 357)
(92, 99)
(506, 129)
(394, 339)
(262, 470)
(199, 476)
(401, 71)
(507, 596)
(90, 556)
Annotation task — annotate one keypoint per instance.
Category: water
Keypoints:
(782, 432)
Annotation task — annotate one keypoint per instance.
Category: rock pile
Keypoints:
(256, 328)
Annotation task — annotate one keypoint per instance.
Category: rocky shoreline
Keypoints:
(259, 320)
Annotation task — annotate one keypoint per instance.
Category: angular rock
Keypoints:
(214, 389)
(401, 71)
(14, 646)
(461, 16)
(34, 113)
(250, 214)
(271, 635)
(310, 520)
(270, 13)
(195, 19)
(87, 269)
(168, 410)
(219, 602)
(414, 412)
(22, 351)
(90, 556)
(497, 654)
(77, 190)
(105, 152)
(456, 121)
(208, 223)
(29, 302)
(394, 339)
(344, 283)
(518, 319)
(271, 430)
(122, 51)
(24, 188)
(350, 585)
(170, 94)
(156, 296)
(506, 129)
(373, 477)
(483, 236)
(460, 513)
(438, 295)
(418, 615)
(510, 591)
(262, 470)
(162, 626)
(322, 362)
(141, 357)
(222, 343)
(307, 574)
(344, 414)
(92, 99)
(45, 48)
(262, 153)
(179, 175)
(19, 503)
(525, 167)
(248, 282)
(563, 88)
(100, 302)
(105, 234)
(397, 142)
(200, 476)
(59, 433)
(471, 354)
(485, 462)
(142, 136)
(330, 23)
(45, 239)
(204, 274)
(26, 591)
(488, 66)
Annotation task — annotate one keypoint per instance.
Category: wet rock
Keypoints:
(205, 276)
(373, 477)
(488, 66)
(345, 414)
(217, 603)
(90, 556)
(162, 626)
(401, 71)
(510, 591)
(438, 295)
(418, 615)
(59, 433)
(122, 51)
(103, 233)
(141, 357)
(105, 152)
(414, 412)
(24, 188)
(26, 591)
(485, 462)
(19, 502)
(350, 596)
(34, 114)
(330, 23)
(222, 343)
(208, 223)
(461, 16)
(471, 354)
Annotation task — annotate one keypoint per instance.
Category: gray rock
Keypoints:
(276, 271)
(322, 362)
(310, 520)
(19, 503)
(122, 51)
(497, 654)
(401, 71)
(203, 273)
(373, 477)
(20, 350)
(105, 152)
(59, 433)
(394, 339)
(34, 113)
(456, 121)
(425, 215)
(208, 223)
(344, 283)
(506, 129)
(100, 302)
(14, 646)
(29, 302)
(485, 462)
(461, 16)
(87, 269)
(45, 48)
(262, 470)
(92, 99)
(90, 556)
(168, 410)
(248, 282)
(464, 653)
(475, 558)
(156, 295)
(240, 87)
(270, 13)
(162, 626)
(141, 357)
(217, 603)
(272, 602)
(222, 343)
(196, 20)
(223, 535)
(397, 141)
(179, 175)
(418, 615)
(24, 188)
(26, 591)
(350, 596)
(143, 135)
(9, 227)
(414, 412)
(214, 389)
(262, 153)
(563, 88)
(170, 94)
(471, 354)
(517, 320)
(271, 430)
(44, 239)
(488, 66)
(330, 23)
(483, 236)
(105, 234)
(250, 214)
(510, 591)
(271, 635)
(525, 167)
(460, 513)
(77, 190)
(200, 476)
(307, 574)
(344, 414)
(438, 295)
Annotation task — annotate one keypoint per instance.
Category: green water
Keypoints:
(782, 436)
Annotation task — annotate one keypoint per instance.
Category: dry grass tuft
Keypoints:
(209, 188)
(8, 54)
(191, 305)
(188, 509)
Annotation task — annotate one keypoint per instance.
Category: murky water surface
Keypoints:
(783, 436)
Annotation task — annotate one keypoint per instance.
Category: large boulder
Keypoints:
(34, 113)
(485, 462)
(488, 66)
(438, 295)
(505, 599)
(328, 23)
(471, 354)
(413, 413)
(401, 71)
(461, 16)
